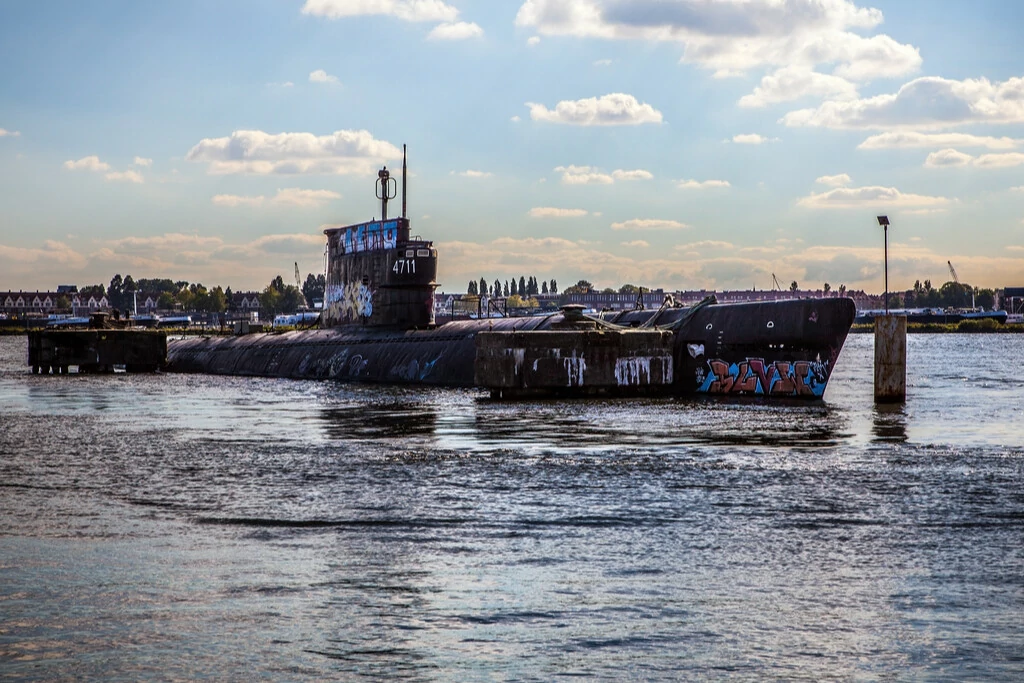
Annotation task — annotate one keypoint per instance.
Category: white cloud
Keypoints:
(733, 36)
(40, 267)
(649, 224)
(142, 162)
(615, 109)
(9, 133)
(293, 196)
(924, 103)
(999, 160)
(912, 139)
(751, 139)
(533, 40)
(794, 82)
(583, 175)
(921, 212)
(194, 257)
(321, 76)
(406, 10)
(763, 251)
(701, 184)
(128, 176)
(947, 157)
(552, 212)
(285, 244)
(470, 173)
(237, 200)
(702, 244)
(460, 30)
(951, 157)
(256, 152)
(286, 84)
(834, 180)
(635, 174)
(639, 244)
(866, 197)
(1019, 188)
(515, 119)
(93, 163)
(448, 28)
(289, 196)
(134, 249)
(602, 62)
(89, 163)
(588, 175)
(54, 251)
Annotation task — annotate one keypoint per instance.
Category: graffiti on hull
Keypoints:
(348, 303)
(756, 377)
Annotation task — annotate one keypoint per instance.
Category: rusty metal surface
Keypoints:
(574, 362)
(97, 350)
(441, 356)
(378, 277)
(785, 349)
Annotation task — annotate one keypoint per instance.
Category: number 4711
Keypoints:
(404, 265)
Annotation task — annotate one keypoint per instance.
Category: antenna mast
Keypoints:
(385, 190)
(403, 181)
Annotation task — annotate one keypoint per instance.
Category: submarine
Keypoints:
(377, 325)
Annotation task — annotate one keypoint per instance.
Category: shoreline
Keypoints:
(962, 327)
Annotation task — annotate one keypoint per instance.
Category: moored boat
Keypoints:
(377, 325)
(944, 316)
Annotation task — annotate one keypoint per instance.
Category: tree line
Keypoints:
(923, 295)
(949, 295)
(276, 297)
(524, 287)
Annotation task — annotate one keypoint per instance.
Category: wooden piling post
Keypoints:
(890, 359)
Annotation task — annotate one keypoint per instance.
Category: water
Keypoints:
(181, 527)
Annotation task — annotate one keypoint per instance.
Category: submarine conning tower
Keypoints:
(378, 275)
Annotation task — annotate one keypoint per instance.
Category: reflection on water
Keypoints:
(660, 423)
(385, 420)
(479, 424)
(890, 423)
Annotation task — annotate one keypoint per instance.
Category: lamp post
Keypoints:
(890, 344)
(884, 222)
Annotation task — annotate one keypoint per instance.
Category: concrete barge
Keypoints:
(96, 350)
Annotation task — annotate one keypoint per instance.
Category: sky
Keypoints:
(684, 144)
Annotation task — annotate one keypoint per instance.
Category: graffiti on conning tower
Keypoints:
(351, 302)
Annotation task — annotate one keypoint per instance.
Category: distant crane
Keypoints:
(776, 285)
(298, 281)
(952, 271)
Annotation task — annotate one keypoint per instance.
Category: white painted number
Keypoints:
(404, 265)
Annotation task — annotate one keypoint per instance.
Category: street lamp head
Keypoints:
(883, 221)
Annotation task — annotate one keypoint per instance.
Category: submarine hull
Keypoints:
(769, 349)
